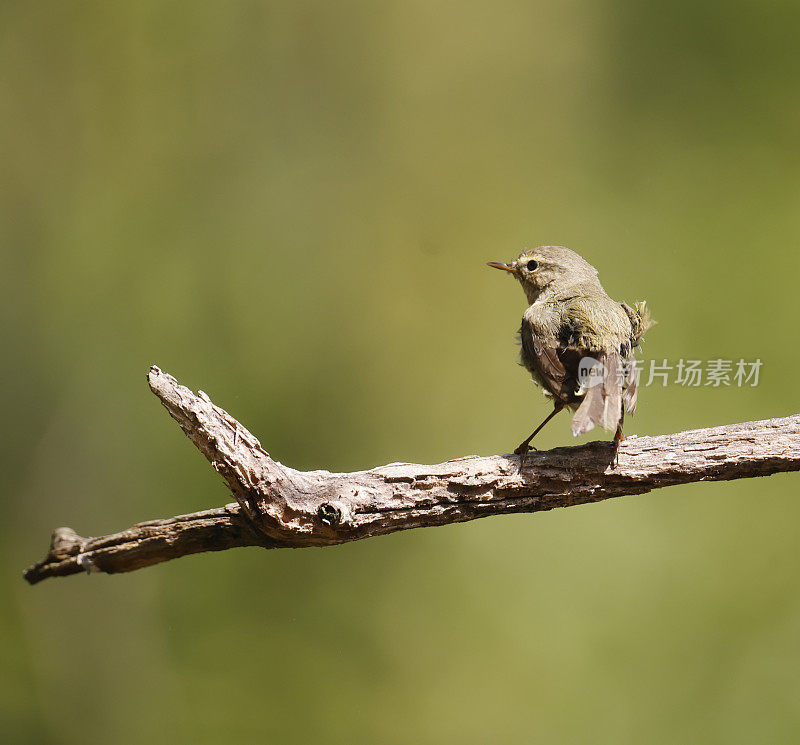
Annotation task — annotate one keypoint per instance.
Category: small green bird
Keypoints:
(577, 343)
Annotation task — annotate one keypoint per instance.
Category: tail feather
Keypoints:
(631, 393)
(612, 394)
(590, 411)
(602, 403)
(641, 321)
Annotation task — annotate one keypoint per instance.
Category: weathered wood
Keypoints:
(280, 507)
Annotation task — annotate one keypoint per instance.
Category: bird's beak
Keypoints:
(500, 265)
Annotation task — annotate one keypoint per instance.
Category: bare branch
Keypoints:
(144, 544)
(280, 507)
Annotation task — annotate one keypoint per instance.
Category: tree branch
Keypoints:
(280, 507)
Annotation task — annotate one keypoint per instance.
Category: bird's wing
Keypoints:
(554, 362)
(640, 319)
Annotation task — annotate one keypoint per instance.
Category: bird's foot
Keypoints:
(525, 448)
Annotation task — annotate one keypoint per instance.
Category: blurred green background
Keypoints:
(289, 205)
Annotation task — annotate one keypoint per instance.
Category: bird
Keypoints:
(576, 342)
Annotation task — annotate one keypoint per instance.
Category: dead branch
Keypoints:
(279, 507)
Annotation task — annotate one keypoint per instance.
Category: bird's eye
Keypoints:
(532, 265)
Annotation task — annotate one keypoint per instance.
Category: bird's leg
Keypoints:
(525, 445)
(618, 437)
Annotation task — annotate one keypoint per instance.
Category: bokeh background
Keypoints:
(289, 205)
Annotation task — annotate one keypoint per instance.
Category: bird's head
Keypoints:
(551, 269)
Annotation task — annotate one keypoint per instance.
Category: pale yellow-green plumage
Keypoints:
(570, 318)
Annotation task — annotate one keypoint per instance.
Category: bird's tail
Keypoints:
(602, 403)
(631, 392)
(641, 321)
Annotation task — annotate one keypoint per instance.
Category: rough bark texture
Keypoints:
(280, 507)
